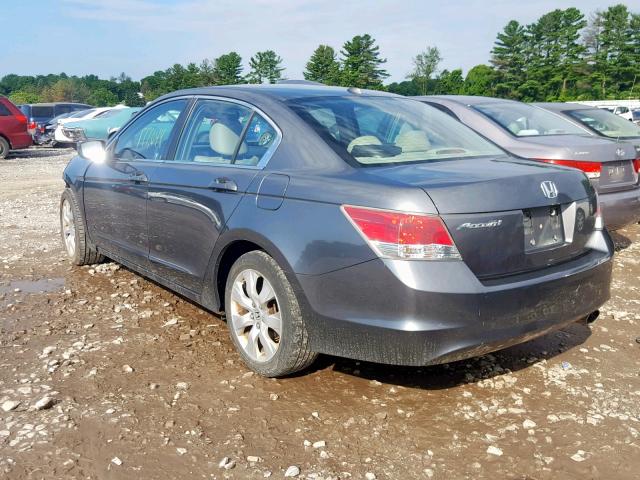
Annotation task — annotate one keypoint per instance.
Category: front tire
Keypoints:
(264, 317)
(72, 229)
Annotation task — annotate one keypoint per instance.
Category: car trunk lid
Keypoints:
(614, 157)
(503, 214)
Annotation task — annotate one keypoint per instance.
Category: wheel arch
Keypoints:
(2, 135)
(229, 247)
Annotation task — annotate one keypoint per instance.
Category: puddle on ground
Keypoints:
(42, 285)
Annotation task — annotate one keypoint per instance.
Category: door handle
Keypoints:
(138, 177)
(224, 183)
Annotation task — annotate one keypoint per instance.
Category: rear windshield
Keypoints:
(524, 120)
(388, 130)
(41, 111)
(605, 122)
(81, 113)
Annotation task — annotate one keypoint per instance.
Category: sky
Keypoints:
(138, 37)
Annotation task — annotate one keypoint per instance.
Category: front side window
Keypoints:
(225, 133)
(148, 137)
(388, 130)
(524, 120)
(605, 123)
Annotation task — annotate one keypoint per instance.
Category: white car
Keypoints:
(620, 110)
(60, 137)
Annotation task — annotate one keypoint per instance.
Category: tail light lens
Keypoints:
(21, 119)
(591, 169)
(636, 165)
(31, 126)
(400, 235)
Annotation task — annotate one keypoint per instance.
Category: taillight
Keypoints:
(636, 165)
(403, 235)
(31, 126)
(591, 169)
(21, 119)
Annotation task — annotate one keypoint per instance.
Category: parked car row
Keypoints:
(355, 223)
(563, 135)
(57, 123)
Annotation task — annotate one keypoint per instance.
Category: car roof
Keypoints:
(282, 92)
(465, 99)
(559, 107)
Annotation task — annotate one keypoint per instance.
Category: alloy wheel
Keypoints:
(68, 228)
(256, 319)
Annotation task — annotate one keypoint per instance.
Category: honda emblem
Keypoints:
(549, 189)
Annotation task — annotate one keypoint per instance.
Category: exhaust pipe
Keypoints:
(589, 319)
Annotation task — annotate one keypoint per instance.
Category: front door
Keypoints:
(115, 192)
(192, 197)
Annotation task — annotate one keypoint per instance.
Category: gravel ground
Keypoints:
(104, 374)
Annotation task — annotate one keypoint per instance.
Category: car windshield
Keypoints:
(524, 120)
(387, 130)
(605, 122)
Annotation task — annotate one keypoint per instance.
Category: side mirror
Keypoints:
(93, 150)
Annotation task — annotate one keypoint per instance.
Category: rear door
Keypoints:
(115, 192)
(223, 146)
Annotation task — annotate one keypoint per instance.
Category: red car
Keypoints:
(13, 128)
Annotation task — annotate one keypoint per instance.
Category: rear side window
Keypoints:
(4, 111)
(225, 133)
(42, 111)
(149, 136)
(60, 109)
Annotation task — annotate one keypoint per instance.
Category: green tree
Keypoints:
(508, 58)
(450, 82)
(323, 66)
(28, 95)
(101, 97)
(407, 88)
(265, 67)
(616, 53)
(227, 69)
(361, 63)
(425, 64)
(480, 81)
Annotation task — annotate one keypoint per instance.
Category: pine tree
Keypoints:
(323, 66)
(508, 57)
(265, 67)
(361, 63)
(616, 49)
(227, 69)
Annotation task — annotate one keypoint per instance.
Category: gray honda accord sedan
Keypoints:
(532, 132)
(339, 221)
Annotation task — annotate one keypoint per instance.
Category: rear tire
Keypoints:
(73, 231)
(4, 147)
(264, 317)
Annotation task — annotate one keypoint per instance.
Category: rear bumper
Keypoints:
(620, 208)
(421, 313)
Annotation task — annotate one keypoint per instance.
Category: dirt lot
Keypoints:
(105, 375)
